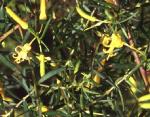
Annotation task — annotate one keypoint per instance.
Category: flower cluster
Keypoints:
(21, 53)
(110, 43)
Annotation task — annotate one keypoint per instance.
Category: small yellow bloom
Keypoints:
(116, 40)
(97, 79)
(43, 15)
(41, 58)
(106, 40)
(21, 53)
(111, 42)
(44, 109)
(13, 15)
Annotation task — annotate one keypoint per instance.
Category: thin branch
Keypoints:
(138, 61)
(18, 104)
(5, 35)
(119, 81)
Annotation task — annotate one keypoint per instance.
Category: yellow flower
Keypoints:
(43, 15)
(22, 23)
(117, 41)
(114, 41)
(106, 40)
(44, 109)
(21, 53)
(42, 59)
(111, 43)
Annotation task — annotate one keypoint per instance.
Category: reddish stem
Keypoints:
(138, 61)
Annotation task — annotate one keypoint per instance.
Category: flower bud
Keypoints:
(43, 15)
(15, 17)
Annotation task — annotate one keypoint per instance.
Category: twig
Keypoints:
(5, 35)
(17, 105)
(138, 61)
(119, 81)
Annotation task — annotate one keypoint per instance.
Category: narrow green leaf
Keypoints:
(77, 66)
(56, 113)
(97, 24)
(50, 74)
(6, 62)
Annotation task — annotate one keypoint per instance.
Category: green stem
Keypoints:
(36, 93)
(37, 37)
(45, 29)
(133, 48)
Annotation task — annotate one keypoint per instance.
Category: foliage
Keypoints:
(67, 58)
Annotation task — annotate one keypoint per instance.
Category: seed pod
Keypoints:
(15, 17)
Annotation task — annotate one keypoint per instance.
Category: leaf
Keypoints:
(90, 92)
(97, 24)
(57, 113)
(144, 98)
(50, 74)
(77, 66)
(6, 62)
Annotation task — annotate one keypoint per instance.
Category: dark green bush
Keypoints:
(86, 58)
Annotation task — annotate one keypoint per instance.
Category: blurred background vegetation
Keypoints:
(78, 79)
